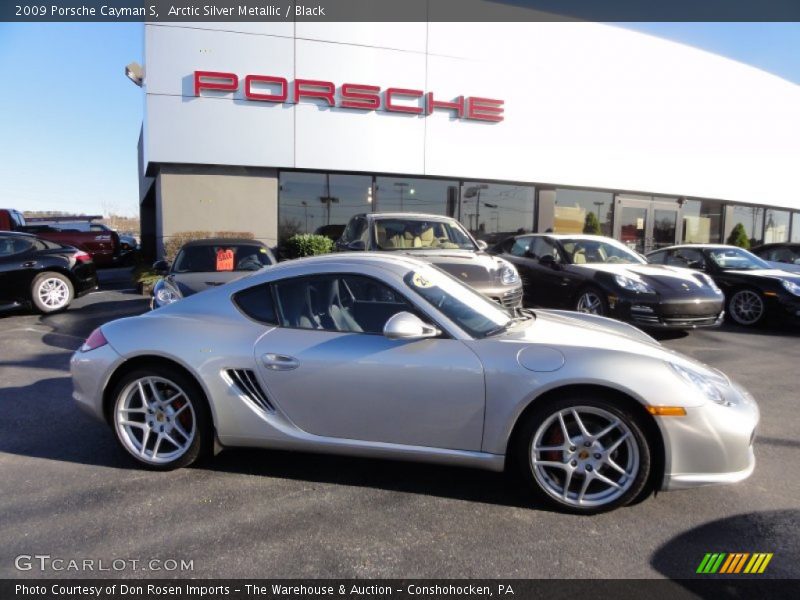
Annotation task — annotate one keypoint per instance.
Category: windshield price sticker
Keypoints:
(420, 282)
(225, 259)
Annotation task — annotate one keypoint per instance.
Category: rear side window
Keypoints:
(256, 303)
(657, 258)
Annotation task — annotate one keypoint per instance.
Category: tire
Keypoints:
(746, 307)
(172, 429)
(592, 301)
(579, 461)
(51, 292)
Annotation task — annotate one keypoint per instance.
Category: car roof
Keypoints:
(21, 234)
(384, 259)
(220, 241)
(408, 215)
(697, 246)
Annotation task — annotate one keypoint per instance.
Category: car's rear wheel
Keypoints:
(161, 418)
(583, 455)
(746, 307)
(51, 292)
(592, 301)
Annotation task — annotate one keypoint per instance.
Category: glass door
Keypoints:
(644, 224)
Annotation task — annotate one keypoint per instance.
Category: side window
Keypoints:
(544, 247)
(10, 246)
(256, 303)
(520, 246)
(354, 230)
(340, 303)
(687, 258)
(657, 258)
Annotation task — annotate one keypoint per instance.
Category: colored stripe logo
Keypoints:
(734, 563)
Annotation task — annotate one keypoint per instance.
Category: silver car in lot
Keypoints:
(388, 356)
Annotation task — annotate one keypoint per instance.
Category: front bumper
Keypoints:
(711, 444)
(507, 296)
(668, 314)
(785, 306)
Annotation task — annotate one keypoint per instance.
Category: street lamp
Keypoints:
(327, 200)
(475, 191)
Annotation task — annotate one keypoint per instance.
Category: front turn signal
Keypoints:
(667, 411)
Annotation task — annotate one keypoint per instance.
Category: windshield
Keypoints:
(584, 251)
(219, 257)
(474, 313)
(736, 259)
(421, 234)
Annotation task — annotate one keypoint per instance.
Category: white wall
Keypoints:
(586, 105)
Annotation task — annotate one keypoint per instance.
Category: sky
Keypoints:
(70, 119)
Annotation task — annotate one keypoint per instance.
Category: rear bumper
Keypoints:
(84, 279)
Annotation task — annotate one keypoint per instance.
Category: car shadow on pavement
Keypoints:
(472, 485)
(772, 531)
(65, 434)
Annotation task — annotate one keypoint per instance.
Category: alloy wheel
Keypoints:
(746, 307)
(155, 420)
(53, 293)
(584, 456)
(590, 302)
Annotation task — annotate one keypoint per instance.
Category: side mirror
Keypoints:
(482, 245)
(548, 260)
(405, 326)
(357, 245)
(161, 267)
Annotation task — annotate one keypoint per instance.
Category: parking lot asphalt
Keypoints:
(68, 491)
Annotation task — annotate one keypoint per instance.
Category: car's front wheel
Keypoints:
(52, 292)
(592, 301)
(746, 307)
(161, 418)
(583, 455)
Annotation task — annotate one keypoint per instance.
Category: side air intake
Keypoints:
(246, 381)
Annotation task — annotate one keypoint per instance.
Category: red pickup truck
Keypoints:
(103, 246)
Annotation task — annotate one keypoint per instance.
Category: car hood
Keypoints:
(191, 283)
(470, 267)
(661, 278)
(557, 328)
(789, 268)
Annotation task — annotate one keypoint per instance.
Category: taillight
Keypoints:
(95, 340)
(82, 257)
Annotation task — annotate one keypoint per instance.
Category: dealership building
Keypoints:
(277, 128)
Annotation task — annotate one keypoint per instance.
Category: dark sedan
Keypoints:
(45, 275)
(202, 264)
(754, 289)
(784, 255)
(598, 275)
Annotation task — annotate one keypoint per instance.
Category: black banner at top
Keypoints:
(398, 10)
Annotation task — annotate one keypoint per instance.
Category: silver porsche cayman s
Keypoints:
(388, 356)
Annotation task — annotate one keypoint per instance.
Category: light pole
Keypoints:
(475, 191)
(402, 186)
(305, 213)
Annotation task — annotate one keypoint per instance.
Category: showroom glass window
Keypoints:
(796, 227)
(702, 222)
(751, 217)
(493, 212)
(433, 196)
(576, 211)
(320, 202)
(776, 226)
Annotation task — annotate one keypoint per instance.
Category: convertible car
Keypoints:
(598, 275)
(384, 355)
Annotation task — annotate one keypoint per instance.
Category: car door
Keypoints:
(17, 267)
(332, 372)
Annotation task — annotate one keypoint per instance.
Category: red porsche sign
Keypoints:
(358, 96)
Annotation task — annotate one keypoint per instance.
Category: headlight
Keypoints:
(634, 285)
(701, 382)
(508, 274)
(165, 294)
(791, 287)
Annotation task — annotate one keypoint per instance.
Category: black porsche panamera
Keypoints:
(599, 275)
(754, 289)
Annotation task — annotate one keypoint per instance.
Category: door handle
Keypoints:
(279, 362)
(29, 264)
